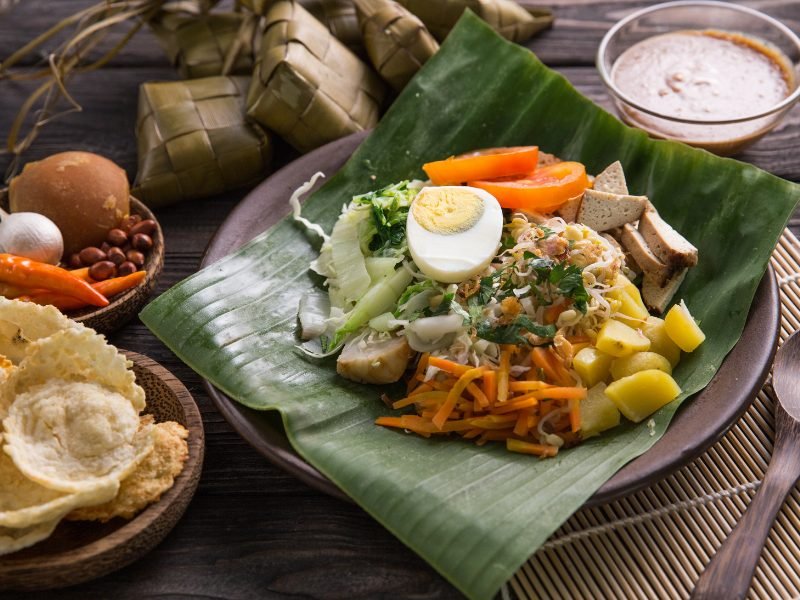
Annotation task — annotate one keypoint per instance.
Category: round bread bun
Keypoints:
(84, 194)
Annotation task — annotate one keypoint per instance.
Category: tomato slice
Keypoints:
(543, 190)
(490, 163)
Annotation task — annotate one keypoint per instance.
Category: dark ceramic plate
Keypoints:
(699, 423)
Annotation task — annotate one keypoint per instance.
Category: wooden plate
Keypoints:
(79, 551)
(701, 420)
(126, 305)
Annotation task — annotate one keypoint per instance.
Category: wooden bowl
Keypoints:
(123, 307)
(78, 551)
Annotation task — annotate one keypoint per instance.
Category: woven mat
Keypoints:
(655, 543)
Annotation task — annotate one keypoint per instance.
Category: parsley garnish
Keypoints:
(512, 333)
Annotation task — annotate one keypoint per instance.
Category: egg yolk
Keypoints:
(447, 211)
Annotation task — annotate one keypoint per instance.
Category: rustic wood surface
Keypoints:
(253, 531)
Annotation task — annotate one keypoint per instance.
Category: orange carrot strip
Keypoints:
(389, 421)
(528, 386)
(528, 448)
(442, 385)
(526, 401)
(472, 433)
(422, 365)
(420, 388)
(478, 395)
(490, 386)
(420, 398)
(521, 427)
(540, 358)
(574, 414)
(503, 374)
(454, 394)
(564, 378)
(494, 421)
(448, 366)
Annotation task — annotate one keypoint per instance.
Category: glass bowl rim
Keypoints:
(616, 92)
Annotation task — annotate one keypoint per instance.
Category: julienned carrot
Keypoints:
(575, 414)
(27, 273)
(490, 386)
(452, 400)
(455, 394)
(448, 366)
(528, 448)
(540, 358)
(422, 365)
(503, 373)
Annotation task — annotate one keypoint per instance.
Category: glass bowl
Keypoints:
(721, 136)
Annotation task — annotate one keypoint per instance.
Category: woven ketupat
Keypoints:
(339, 16)
(194, 141)
(506, 17)
(397, 42)
(307, 86)
(199, 45)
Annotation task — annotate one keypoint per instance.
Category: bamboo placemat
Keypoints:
(655, 543)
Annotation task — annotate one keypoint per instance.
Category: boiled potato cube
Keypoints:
(617, 339)
(630, 311)
(598, 412)
(660, 342)
(592, 365)
(640, 395)
(641, 361)
(682, 328)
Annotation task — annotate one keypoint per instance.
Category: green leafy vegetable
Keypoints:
(234, 322)
(512, 333)
(389, 208)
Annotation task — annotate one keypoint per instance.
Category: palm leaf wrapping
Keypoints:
(307, 86)
(339, 16)
(397, 42)
(506, 17)
(200, 46)
(194, 141)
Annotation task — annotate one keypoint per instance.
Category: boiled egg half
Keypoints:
(453, 231)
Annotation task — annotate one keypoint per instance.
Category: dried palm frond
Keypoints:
(307, 86)
(194, 140)
(91, 25)
(207, 44)
(506, 17)
(397, 42)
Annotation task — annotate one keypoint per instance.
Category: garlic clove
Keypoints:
(31, 235)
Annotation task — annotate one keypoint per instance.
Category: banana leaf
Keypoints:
(474, 513)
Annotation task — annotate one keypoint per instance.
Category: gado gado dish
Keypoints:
(73, 239)
(75, 444)
(513, 292)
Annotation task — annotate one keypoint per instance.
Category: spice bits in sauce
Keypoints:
(703, 76)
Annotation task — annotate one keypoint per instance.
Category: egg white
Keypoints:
(455, 257)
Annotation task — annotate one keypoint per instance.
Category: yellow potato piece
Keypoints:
(640, 395)
(617, 339)
(598, 412)
(592, 365)
(682, 328)
(660, 342)
(640, 361)
(631, 308)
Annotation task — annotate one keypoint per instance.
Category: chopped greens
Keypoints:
(513, 332)
(389, 211)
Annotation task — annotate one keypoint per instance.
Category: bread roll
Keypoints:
(84, 194)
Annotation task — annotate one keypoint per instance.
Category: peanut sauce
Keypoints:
(702, 75)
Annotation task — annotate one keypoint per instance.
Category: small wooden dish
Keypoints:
(123, 307)
(78, 551)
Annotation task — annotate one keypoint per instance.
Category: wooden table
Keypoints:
(253, 531)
